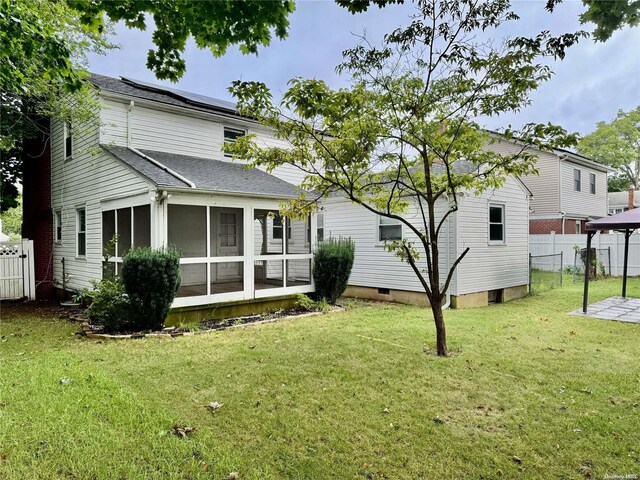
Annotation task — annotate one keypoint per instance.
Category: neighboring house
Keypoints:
(569, 190)
(152, 172)
(622, 201)
(494, 225)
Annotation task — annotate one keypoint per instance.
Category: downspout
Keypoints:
(447, 302)
(147, 157)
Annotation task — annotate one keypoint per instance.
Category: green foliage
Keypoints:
(110, 306)
(215, 25)
(607, 15)
(12, 220)
(617, 183)
(617, 144)
(151, 279)
(332, 265)
(43, 48)
(304, 302)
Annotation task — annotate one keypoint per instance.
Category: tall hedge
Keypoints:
(151, 279)
(332, 265)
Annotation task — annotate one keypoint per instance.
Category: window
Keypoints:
(231, 135)
(320, 227)
(578, 227)
(592, 183)
(496, 224)
(57, 226)
(68, 141)
(278, 226)
(577, 184)
(81, 232)
(389, 229)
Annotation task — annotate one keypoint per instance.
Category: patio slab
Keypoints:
(613, 308)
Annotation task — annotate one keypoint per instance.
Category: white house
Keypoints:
(494, 225)
(152, 171)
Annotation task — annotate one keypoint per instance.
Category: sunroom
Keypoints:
(233, 242)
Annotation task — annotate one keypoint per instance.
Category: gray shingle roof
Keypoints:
(205, 173)
(162, 94)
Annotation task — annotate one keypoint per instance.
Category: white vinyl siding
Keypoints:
(154, 127)
(373, 265)
(84, 180)
(583, 203)
(545, 186)
(490, 267)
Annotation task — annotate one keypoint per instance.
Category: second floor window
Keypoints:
(577, 184)
(320, 227)
(231, 135)
(592, 183)
(68, 141)
(57, 225)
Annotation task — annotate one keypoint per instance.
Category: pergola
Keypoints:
(626, 222)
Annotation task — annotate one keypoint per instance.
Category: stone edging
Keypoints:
(170, 334)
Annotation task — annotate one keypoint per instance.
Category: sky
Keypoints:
(591, 84)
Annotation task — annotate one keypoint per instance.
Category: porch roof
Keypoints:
(204, 173)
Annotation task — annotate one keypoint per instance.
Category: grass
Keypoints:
(346, 395)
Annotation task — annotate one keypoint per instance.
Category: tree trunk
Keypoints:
(441, 331)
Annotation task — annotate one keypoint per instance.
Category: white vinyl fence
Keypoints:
(556, 243)
(17, 276)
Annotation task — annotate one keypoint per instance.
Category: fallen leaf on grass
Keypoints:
(516, 459)
(182, 431)
(213, 406)
(65, 381)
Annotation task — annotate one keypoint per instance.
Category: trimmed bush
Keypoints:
(151, 279)
(332, 266)
(109, 305)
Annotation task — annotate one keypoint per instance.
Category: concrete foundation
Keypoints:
(470, 300)
(238, 308)
(397, 296)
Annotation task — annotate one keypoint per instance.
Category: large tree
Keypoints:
(617, 144)
(42, 74)
(394, 140)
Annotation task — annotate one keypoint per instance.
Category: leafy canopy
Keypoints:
(213, 24)
(617, 144)
(404, 140)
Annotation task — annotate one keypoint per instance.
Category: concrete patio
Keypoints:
(613, 308)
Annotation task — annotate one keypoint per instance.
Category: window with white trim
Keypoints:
(496, 223)
(578, 227)
(278, 227)
(577, 181)
(320, 227)
(57, 226)
(389, 229)
(592, 183)
(68, 140)
(81, 232)
(231, 135)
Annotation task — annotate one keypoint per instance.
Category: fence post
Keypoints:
(609, 249)
(529, 272)
(553, 242)
(561, 267)
(575, 265)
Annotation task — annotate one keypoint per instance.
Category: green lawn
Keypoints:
(345, 395)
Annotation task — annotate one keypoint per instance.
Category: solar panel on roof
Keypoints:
(188, 97)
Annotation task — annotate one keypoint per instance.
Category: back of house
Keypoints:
(150, 171)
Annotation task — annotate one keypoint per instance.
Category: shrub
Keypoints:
(109, 305)
(332, 266)
(151, 279)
